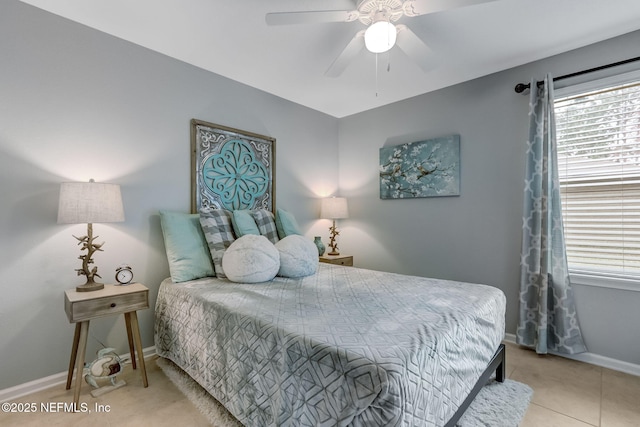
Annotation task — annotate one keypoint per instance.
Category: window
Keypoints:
(598, 135)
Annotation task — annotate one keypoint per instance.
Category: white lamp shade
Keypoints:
(334, 208)
(380, 36)
(89, 202)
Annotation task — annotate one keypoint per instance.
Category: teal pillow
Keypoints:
(187, 250)
(286, 224)
(243, 223)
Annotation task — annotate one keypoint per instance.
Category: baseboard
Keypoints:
(593, 359)
(34, 386)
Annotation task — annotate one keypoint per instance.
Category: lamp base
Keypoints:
(87, 243)
(332, 239)
(90, 287)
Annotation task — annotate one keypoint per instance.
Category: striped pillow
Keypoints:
(266, 224)
(218, 231)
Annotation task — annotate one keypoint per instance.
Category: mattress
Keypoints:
(345, 346)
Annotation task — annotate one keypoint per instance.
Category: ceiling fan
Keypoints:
(381, 33)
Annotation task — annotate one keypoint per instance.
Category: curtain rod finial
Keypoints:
(521, 87)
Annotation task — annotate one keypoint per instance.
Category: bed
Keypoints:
(309, 344)
(344, 346)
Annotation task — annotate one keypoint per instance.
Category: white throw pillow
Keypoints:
(298, 256)
(251, 259)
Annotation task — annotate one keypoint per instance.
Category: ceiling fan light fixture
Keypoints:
(380, 36)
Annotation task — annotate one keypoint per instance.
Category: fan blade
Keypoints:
(424, 7)
(415, 48)
(290, 18)
(351, 51)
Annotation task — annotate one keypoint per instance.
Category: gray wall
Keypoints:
(474, 237)
(77, 104)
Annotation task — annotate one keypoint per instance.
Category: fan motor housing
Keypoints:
(379, 10)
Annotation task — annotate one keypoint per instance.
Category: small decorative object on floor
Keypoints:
(318, 241)
(106, 366)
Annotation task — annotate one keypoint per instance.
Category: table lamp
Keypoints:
(334, 208)
(89, 202)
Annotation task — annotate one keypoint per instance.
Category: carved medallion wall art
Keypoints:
(231, 168)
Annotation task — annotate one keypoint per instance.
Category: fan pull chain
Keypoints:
(376, 75)
(388, 69)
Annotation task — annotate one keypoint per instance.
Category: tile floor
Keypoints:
(566, 394)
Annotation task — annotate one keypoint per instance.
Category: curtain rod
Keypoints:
(521, 87)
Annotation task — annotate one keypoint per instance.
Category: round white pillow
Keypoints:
(298, 256)
(251, 259)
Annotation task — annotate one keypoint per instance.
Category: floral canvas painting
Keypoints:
(429, 168)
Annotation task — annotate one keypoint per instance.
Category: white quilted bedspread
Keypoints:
(345, 346)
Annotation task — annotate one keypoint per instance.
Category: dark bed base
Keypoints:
(497, 365)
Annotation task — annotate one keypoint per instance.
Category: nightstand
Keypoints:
(82, 307)
(338, 259)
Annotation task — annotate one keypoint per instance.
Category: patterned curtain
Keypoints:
(547, 318)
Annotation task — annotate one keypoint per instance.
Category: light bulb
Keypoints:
(380, 36)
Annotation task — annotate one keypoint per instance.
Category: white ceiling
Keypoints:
(231, 38)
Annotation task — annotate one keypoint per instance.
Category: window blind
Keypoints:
(598, 136)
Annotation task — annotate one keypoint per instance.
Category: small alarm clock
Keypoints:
(124, 275)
